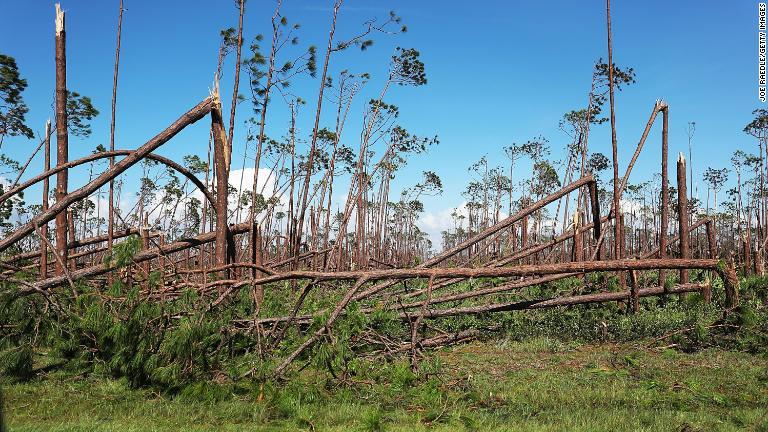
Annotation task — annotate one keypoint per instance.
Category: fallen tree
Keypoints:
(194, 114)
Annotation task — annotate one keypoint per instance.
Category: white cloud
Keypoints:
(244, 177)
(435, 222)
(628, 206)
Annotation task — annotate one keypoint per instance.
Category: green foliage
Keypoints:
(13, 110)
(80, 112)
(123, 252)
(406, 68)
(17, 362)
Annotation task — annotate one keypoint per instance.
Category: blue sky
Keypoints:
(498, 72)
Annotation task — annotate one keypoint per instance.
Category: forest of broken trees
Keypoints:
(199, 271)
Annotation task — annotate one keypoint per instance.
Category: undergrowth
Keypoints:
(180, 347)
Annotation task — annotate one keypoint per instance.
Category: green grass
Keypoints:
(536, 385)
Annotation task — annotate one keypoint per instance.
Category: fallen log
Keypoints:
(467, 272)
(194, 114)
(103, 155)
(75, 244)
(518, 255)
(558, 301)
(542, 246)
(142, 256)
(587, 180)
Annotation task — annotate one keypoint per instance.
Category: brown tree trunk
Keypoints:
(618, 232)
(730, 283)
(747, 244)
(222, 158)
(152, 253)
(313, 143)
(664, 194)
(578, 238)
(682, 215)
(256, 248)
(595, 204)
(524, 234)
(634, 292)
(236, 84)
(62, 144)
(111, 216)
(71, 234)
(712, 243)
(144, 230)
(191, 116)
(46, 193)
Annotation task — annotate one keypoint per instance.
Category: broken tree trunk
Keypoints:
(594, 203)
(664, 193)
(71, 237)
(222, 158)
(578, 238)
(525, 270)
(524, 232)
(144, 234)
(727, 273)
(101, 155)
(634, 292)
(193, 115)
(140, 257)
(682, 215)
(587, 180)
(62, 144)
(73, 245)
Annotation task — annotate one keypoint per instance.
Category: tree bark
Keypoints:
(62, 139)
(618, 233)
(730, 279)
(682, 215)
(557, 302)
(222, 158)
(111, 216)
(664, 193)
(467, 272)
(140, 257)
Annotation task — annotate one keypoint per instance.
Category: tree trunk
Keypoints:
(191, 116)
(46, 193)
(62, 138)
(664, 194)
(682, 215)
(618, 230)
(313, 143)
(222, 158)
(236, 84)
(111, 216)
(71, 236)
(255, 248)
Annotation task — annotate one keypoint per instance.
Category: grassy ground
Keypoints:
(538, 385)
